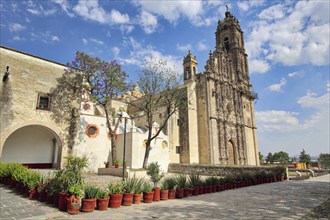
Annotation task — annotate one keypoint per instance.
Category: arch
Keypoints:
(231, 149)
(226, 43)
(194, 70)
(187, 73)
(35, 144)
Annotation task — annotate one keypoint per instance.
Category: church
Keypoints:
(217, 127)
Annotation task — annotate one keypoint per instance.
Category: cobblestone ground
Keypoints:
(280, 200)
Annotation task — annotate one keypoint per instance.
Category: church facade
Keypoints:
(217, 126)
(219, 123)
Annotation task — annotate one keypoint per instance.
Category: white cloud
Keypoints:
(277, 87)
(183, 48)
(148, 22)
(292, 34)
(91, 10)
(116, 51)
(118, 18)
(18, 38)
(65, 6)
(246, 5)
(258, 66)
(37, 9)
(55, 38)
(15, 27)
(126, 28)
(273, 120)
(85, 41)
(96, 41)
(139, 52)
(201, 46)
(295, 74)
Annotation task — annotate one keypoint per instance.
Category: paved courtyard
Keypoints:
(280, 200)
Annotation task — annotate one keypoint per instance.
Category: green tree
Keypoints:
(304, 157)
(281, 157)
(88, 76)
(269, 158)
(261, 157)
(325, 161)
(159, 85)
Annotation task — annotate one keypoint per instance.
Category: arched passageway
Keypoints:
(35, 146)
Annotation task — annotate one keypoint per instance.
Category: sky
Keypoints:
(287, 43)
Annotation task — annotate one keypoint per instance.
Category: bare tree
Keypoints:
(162, 94)
(99, 78)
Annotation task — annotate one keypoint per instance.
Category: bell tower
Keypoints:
(189, 67)
(230, 43)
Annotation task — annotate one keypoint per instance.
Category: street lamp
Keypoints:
(124, 115)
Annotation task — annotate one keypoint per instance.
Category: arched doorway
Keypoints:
(34, 145)
(231, 152)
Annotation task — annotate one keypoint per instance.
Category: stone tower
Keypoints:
(190, 67)
(225, 100)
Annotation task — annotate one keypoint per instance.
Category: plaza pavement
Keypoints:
(279, 200)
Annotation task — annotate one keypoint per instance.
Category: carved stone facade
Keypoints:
(223, 102)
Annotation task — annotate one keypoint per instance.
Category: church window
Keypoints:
(43, 101)
(178, 149)
(194, 70)
(187, 74)
(92, 130)
(226, 42)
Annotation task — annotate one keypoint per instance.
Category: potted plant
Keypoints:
(116, 163)
(102, 201)
(116, 194)
(155, 174)
(32, 181)
(76, 193)
(129, 187)
(148, 194)
(171, 184)
(164, 191)
(181, 181)
(89, 200)
(195, 181)
(138, 189)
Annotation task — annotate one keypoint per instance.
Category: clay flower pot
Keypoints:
(148, 197)
(171, 194)
(156, 194)
(88, 205)
(164, 194)
(72, 205)
(33, 194)
(137, 198)
(50, 198)
(62, 202)
(127, 199)
(195, 191)
(115, 200)
(102, 204)
(179, 193)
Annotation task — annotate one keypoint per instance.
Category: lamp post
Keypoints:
(125, 116)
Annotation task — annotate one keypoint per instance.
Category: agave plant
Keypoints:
(116, 187)
(91, 191)
(133, 185)
(181, 181)
(170, 182)
(194, 180)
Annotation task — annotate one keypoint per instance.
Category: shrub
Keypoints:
(147, 187)
(77, 191)
(194, 180)
(155, 173)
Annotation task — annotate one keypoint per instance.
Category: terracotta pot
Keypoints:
(127, 199)
(185, 192)
(88, 205)
(214, 189)
(115, 200)
(12, 183)
(50, 198)
(195, 191)
(56, 199)
(179, 193)
(62, 202)
(43, 196)
(72, 205)
(164, 194)
(156, 194)
(137, 198)
(148, 197)
(102, 204)
(209, 189)
(171, 194)
(33, 194)
(116, 165)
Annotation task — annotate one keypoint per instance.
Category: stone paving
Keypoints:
(280, 200)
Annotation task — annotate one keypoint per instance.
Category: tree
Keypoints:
(269, 158)
(87, 75)
(161, 95)
(304, 158)
(261, 157)
(281, 157)
(325, 161)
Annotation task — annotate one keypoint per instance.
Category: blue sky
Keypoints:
(287, 43)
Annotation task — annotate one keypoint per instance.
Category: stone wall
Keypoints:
(211, 170)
